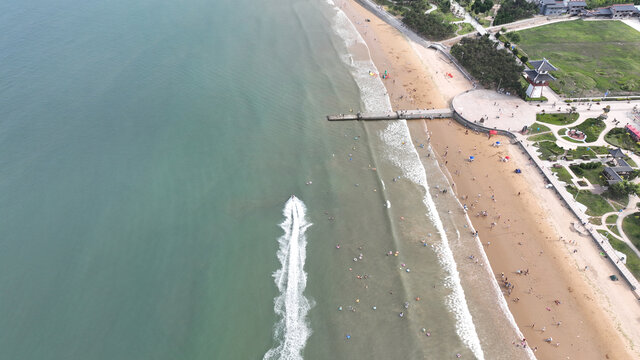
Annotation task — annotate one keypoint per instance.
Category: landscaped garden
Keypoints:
(596, 204)
(631, 227)
(592, 128)
(592, 57)
(591, 171)
(620, 137)
(633, 262)
(537, 128)
(557, 119)
(542, 137)
(562, 174)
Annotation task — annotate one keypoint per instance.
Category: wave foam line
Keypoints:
(406, 157)
(291, 331)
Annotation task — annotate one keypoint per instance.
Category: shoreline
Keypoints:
(578, 323)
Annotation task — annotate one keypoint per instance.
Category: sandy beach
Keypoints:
(565, 294)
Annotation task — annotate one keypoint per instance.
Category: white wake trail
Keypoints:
(292, 331)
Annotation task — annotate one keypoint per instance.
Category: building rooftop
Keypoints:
(624, 7)
(542, 65)
(612, 175)
(633, 130)
(537, 77)
(601, 11)
(616, 153)
(577, 3)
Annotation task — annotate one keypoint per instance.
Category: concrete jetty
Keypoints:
(394, 115)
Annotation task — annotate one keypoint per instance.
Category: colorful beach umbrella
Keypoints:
(493, 132)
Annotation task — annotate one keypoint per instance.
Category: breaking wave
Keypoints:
(292, 331)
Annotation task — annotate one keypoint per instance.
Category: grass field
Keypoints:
(557, 119)
(548, 149)
(537, 128)
(633, 262)
(465, 28)
(620, 138)
(592, 128)
(596, 204)
(593, 175)
(562, 174)
(611, 219)
(592, 56)
(631, 227)
(543, 137)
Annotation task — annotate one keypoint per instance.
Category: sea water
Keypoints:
(149, 151)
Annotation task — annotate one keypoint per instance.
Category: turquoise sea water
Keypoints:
(147, 150)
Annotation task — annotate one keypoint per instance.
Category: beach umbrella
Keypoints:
(471, 158)
(507, 157)
(497, 142)
(493, 132)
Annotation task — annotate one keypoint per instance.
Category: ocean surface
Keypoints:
(149, 151)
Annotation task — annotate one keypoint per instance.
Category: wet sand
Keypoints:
(526, 228)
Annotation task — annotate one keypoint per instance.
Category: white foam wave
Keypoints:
(404, 155)
(292, 331)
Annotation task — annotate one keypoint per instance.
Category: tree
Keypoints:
(492, 67)
(432, 25)
(624, 187)
(512, 10)
(524, 59)
(513, 36)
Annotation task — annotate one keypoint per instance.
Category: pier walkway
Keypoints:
(395, 115)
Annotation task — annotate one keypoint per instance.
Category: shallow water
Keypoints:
(147, 151)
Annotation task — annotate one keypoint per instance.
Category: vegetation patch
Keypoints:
(563, 174)
(592, 127)
(581, 152)
(549, 149)
(611, 219)
(557, 119)
(613, 229)
(572, 140)
(465, 28)
(492, 67)
(548, 136)
(596, 204)
(633, 261)
(591, 171)
(595, 220)
(631, 227)
(537, 128)
(432, 26)
(513, 10)
(620, 137)
(591, 56)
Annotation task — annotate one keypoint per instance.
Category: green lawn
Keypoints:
(595, 220)
(592, 56)
(578, 152)
(596, 204)
(593, 175)
(543, 137)
(572, 140)
(631, 227)
(548, 149)
(557, 119)
(537, 128)
(562, 131)
(633, 262)
(465, 28)
(562, 174)
(620, 138)
(600, 150)
(611, 219)
(592, 128)
(613, 229)
(449, 17)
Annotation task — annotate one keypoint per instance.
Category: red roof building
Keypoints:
(635, 133)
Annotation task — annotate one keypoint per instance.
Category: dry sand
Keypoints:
(532, 228)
